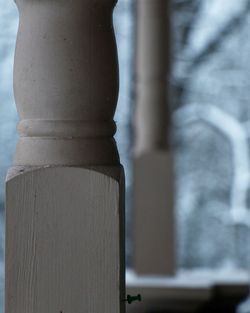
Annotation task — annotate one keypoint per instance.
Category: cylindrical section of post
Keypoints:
(152, 69)
(66, 83)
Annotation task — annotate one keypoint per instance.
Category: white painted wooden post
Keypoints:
(64, 201)
(154, 251)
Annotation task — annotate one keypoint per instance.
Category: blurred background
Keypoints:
(211, 126)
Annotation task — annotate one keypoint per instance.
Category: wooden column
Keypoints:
(154, 193)
(64, 201)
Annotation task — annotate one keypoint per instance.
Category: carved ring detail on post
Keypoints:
(66, 83)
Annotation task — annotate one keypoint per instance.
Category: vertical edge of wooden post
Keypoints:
(65, 191)
(154, 246)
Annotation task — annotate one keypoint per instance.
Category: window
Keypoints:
(211, 115)
(8, 116)
(211, 84)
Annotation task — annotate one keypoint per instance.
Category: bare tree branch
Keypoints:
(217, 41)
(190, 11)
(181, 84)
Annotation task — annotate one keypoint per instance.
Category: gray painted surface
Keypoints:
(222, 81)
(10, 133)
(63, 242)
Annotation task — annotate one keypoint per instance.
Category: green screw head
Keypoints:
(131, 299)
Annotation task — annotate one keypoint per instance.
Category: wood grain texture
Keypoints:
(63, 236)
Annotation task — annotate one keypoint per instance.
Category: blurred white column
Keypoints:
(154, 250)
(64, 225)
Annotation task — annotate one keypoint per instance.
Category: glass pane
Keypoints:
(212, 113)
(123, 22)
(8, 117)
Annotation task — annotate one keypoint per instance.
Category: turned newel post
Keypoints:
(64, 193)
(153, 197)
